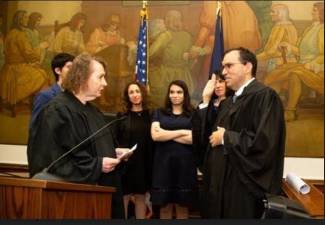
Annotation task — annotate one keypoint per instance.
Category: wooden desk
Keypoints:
(313, 202)
(23, 198)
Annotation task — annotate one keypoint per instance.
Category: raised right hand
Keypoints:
(209, 89)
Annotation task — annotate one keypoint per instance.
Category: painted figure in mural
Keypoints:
(21, 75)
(245, 157)
(172, 47)
(34, 20)
(261, 10)
(282, 31)
(69, 39)
(157, 30)
(240, 28)
(136, 176)
(33, 34)
(2, 56)
(310, 69)
(61, 64)
(106, 35)
(174, 171)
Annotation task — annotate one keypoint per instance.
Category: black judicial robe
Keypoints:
(203, 121)
(250, 163)
(62, 124)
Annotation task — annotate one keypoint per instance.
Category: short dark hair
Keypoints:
(126, 99)
(245, 56)
(59, 61)
(80, 72)
(229, 92)
(187, 106)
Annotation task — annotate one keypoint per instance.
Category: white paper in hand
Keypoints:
(134, 147)
(127, 154)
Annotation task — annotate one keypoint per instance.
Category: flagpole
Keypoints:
(218, 47)
(144, 6)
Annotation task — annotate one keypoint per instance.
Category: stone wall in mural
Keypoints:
(181, 36)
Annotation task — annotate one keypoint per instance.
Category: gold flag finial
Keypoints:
(218, 8)
(143, 11)
(144, 4)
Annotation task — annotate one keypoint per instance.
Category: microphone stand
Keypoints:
(46, 175)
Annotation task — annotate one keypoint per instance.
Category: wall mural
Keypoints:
(288, 41)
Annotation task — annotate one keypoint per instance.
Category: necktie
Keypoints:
(234, 98)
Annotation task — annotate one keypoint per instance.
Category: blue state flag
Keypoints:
(142, 51)
(218, 47)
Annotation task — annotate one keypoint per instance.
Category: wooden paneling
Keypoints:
(9, 167)
(20, 202)
(23, 198)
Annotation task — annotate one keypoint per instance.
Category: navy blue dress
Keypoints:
(174, 178)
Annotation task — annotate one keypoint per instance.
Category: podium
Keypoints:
(313, 202)
(24, 198)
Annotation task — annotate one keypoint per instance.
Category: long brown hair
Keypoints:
(187, 106)
(126, 99)
(16, 21)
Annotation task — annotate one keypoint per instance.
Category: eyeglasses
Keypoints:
(227, 66)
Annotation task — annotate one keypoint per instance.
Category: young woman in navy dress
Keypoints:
(174, 170)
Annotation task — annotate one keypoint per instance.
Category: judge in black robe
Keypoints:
(244, 159)
(65, 122)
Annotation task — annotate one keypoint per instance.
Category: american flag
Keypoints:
(141, 68)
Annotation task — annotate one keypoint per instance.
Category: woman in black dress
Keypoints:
(174, 170)
(215, 91)
(204, 119)
(135, 129)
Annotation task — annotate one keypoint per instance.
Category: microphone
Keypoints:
(46, 175)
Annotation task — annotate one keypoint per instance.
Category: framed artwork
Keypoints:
(287, 37)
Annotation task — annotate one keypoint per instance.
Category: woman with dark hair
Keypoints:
(205, 116)
(136, 178)
(174, 170)
(213, 96)
(70, 38)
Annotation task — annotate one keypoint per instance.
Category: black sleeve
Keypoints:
(202, 122)
(257, 151)
(58, 131)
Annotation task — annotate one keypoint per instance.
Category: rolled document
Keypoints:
(298, 184)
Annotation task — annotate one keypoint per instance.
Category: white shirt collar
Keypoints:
(241, 89)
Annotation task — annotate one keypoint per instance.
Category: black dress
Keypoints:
(174, 170)
(61, 125)
(137, 171)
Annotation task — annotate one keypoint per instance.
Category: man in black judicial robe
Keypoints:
(62, 124)
(245, 157)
